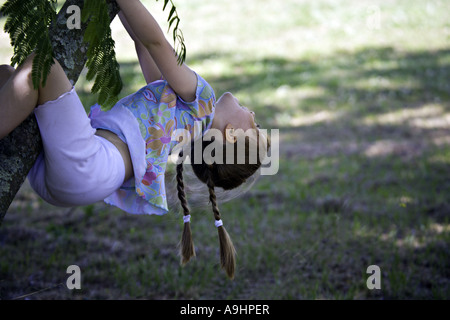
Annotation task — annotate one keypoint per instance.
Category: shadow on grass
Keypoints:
(381, 163)
(366, 185)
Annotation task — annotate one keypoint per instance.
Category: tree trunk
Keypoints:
(20, 149)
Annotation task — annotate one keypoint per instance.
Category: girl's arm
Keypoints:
(149, 68)
(145, 28)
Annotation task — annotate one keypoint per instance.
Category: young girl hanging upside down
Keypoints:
(120, 155)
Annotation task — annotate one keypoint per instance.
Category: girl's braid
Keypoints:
(227, 250)
(212, 198)
(180, 188)
(187, 249)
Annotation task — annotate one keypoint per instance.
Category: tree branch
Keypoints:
(20, 149)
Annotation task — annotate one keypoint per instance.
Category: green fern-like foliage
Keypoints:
(177, 34)
(27, 24)
(101, 63)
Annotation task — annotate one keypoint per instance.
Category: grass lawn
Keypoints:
(360, 93)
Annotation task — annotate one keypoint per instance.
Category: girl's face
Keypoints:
(236, 115)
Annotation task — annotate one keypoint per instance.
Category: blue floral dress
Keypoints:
(147, 121)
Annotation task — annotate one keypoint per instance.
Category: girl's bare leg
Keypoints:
(18, 98)
(6, 71)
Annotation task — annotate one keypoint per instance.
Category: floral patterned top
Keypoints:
(147, 121)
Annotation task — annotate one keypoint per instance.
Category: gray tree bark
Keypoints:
(20, 149)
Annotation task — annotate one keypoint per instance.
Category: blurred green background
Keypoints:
(360, 93)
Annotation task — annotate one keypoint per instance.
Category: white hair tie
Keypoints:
(187, 218)
(218, 223)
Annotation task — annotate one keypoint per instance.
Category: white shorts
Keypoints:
(76, 167)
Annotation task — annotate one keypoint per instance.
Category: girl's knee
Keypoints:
(6, 71)
(56, 85)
